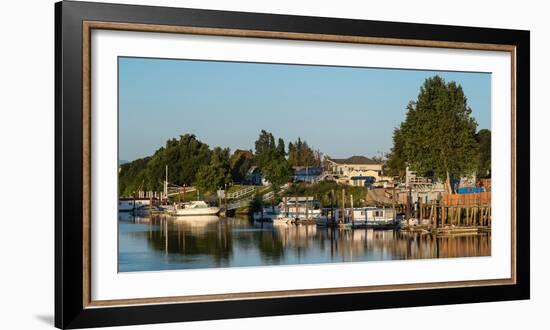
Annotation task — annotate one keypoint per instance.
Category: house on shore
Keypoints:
(354, 171)
(309, 174)
(255, 177)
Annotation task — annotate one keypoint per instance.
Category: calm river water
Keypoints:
(162, 243)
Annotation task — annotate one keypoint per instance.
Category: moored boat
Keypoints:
(374, 217)
(195, 208)
(129, 204)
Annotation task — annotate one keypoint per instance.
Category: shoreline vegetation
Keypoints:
(438, 138)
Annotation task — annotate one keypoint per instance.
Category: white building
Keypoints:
(355, 170)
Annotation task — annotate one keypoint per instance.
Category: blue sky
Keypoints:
(342, 111)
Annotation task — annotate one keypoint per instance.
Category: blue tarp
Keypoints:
(470, 190)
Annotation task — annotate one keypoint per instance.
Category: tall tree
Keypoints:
(397, 162)
(438, 134)
(280, 148)
(265, 147)
(271, 160)
(300, 154)
(483, 138)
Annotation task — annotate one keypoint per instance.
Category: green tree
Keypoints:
(216, 174)
(438, 134)
(132, 176)
(271, 160)
(483, 138)
(265, 148)
(241, 161)
(397, 162)
(278, 172)
(300, 154)
(280, 150)
(183, 156)
(206, 177)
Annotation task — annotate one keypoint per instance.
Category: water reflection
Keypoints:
(162, 242)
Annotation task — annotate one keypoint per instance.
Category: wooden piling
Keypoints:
(352, 213)
(408, 213)
(392, 203)
(307, 207)
(225, 200)
(420, 211)
(343, 205)
(285, 201)
(296, 204)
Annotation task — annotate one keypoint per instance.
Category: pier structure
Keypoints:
(450, 214)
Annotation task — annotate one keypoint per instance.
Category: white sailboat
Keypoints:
(195, 208)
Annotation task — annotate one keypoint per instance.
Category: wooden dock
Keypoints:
(451, 214)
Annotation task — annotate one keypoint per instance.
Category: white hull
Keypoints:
(197, 211)
(195, 208)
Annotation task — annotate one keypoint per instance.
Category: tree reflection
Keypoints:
(219, 242)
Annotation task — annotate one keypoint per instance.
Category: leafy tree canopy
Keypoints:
(191, 162)
(483, 138)
(217, 174)
(271, 159)
(438, 134)
(183, 156)
(241, 161)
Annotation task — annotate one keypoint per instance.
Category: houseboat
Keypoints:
(373, 217)
(290, 210)
(130, 204)
(300, 208)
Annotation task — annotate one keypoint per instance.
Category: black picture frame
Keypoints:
(70, 310)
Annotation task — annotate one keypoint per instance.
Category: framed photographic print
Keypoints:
(214, 164)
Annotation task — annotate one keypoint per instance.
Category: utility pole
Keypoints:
(166, 185)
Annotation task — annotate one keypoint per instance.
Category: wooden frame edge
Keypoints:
(139, 27)
(89, 25)
(86, 163)
(295, 293)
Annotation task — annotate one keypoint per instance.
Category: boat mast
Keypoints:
(166, 184)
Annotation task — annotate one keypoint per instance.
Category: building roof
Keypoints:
(252, 170)
(355, 160)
